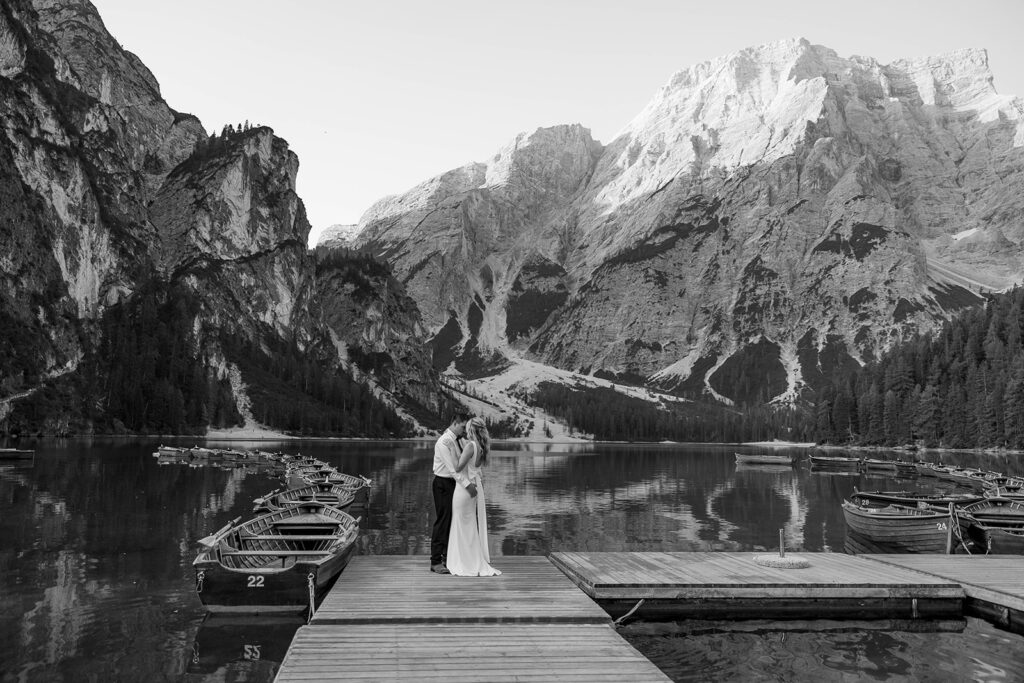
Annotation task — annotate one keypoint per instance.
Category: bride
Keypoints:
(467, 542)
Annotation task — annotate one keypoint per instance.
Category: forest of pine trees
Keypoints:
(144, 376)
(961, 387)
(297, 393)
(613, 415)
(147, 375)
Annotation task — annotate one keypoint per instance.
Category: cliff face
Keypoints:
(770, 216)
(105, 189)
(87, 138)
(465, 243)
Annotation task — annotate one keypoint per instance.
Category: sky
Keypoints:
(378, 96)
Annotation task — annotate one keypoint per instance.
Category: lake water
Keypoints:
(97, 541)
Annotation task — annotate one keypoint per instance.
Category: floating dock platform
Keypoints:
(734, 586)
(388, 618)
(993, 584)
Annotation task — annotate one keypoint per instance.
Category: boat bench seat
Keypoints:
(276, 553)
(291, 537)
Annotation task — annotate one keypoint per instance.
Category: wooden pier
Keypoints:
(993, 584)
(733, 585)
(390, 619)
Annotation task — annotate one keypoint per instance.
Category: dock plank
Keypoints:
(463, 652)
(379, 588)
(998, 579)
(610, 576)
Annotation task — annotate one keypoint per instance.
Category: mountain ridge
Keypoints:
(780, 198)
(157, 278)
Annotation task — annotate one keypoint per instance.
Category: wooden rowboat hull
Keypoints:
(1003, 541)
(834, 463)
(330, 494)
(910, 533)
(267, 590)
(16, 454)
(763, 459)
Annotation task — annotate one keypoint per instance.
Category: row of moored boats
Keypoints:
(982, 513)
(288, 555)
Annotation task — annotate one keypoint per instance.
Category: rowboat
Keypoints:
(298, 476)
(997, 511)
(173, 451)
(834, 462)
(966, 476)
(926, 469)
(905, 469)
(346, 481)
(763, 459)
(1004, 482)
(283, 561)
(999, 525)
(335, 495)
(879, 465)
(16, 454)
(1002, 541)
(907, 529)
(913, 499)
(1011, 491)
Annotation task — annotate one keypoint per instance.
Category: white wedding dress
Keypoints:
(467, 541)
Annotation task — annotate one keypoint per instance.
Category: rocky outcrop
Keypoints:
(460, 241)
(86, 139)
(770, 216)
(338, 236)
(375, 325)
(106, 191)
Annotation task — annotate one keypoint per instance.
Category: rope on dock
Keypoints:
(622, 619)
(312, 596)
(778, 562)
(954, 519)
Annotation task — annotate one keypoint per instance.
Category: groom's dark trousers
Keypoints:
(443, 489)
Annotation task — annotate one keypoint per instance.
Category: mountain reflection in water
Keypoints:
(97, 539)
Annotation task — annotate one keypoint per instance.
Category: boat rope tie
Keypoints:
(312, 595)
(954, 519)
(200, 575)
(627, 615)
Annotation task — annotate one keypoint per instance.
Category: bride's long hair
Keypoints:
(479, 434)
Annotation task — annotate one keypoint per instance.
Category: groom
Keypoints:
(446, 459)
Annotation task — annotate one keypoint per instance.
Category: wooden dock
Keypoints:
(390, 619)
(733, 585)
(993, 584)
(401, 588)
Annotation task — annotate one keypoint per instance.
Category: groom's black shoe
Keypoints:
(439, 569)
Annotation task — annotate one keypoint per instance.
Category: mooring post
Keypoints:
(782, 542)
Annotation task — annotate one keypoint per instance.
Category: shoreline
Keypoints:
(266, 436)
(930, 449)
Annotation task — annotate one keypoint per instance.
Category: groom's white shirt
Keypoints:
(446, 458)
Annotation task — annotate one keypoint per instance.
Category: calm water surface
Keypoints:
(97, 541)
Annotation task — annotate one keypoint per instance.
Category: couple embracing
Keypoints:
(458, 542)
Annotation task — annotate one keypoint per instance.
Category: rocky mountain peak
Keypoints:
(771, 215)
(559, 157)
(338, 235)
(234, 198)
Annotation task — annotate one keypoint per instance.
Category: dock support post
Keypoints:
(782, 542)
